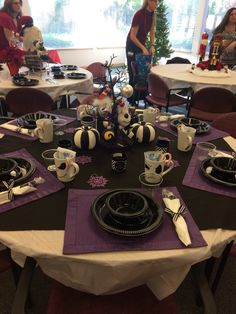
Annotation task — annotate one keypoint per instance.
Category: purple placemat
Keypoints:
(213, 133)
(33, 138)
(195, 179)
(83, 235)
(51, 185)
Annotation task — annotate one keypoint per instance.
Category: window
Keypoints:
(83, 24)
(182, 17)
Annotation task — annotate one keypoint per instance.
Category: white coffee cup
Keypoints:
(66, 168)
(155, 162)
(44, 130)
(185, 137)
(149, 115)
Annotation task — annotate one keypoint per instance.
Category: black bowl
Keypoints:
(224, 164)
(6, 166)
(28, 121)
(193, 123)
(126, 206)
(58, 75)
(56, 68)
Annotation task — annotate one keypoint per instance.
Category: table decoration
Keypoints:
(195, 179)
(82, 235)
(50, 186)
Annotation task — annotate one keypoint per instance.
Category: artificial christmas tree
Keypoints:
(162, 44)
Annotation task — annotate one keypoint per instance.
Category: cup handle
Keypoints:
(168, 157)
(73, 169)
(37, 132)
(190, 142)
(140, 117)
(170, 166)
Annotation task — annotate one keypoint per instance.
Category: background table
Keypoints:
(178, 75)
(60, 87)
(37, 229)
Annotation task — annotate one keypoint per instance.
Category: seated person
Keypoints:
(227, 29)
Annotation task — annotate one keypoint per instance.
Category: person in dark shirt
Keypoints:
(143, 23)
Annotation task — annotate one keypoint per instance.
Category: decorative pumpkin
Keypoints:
(143, 132)
(86, 137)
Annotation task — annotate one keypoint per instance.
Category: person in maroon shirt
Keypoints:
(143, 23)
(11, 21)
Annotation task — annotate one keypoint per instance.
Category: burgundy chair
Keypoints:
(24, 100)
(161, 95)
(139, 85)
(99, 73)
(227, 123)
(212, 102)
(178, 60)
(54, 55)
(5, 262)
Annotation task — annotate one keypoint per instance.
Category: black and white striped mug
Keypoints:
(119, 162)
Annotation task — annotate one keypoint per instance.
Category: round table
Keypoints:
(54, 87)
(179, 75)
(37, 228)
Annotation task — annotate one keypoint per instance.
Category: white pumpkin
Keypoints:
(144, 132)
(86, 137)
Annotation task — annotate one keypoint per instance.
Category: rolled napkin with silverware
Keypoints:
(176, 210)
(8, 195)
(17, 129)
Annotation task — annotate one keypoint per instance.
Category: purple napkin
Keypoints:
(195, 179)
(51, 185)
(68, 119)
(213, 133)
(83, 234)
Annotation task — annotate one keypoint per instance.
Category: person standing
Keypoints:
(143, 23)
(11, 21)
(227, 30)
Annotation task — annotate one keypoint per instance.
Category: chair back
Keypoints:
(54, 55)
(25, 100)
(214, 100)
(156, 86)
(178, 60)
(99, 72)
(227, 123)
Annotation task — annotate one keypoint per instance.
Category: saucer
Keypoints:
(76, 75)
(25, 82)
(28, 121)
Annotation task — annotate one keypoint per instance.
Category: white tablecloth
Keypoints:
(108, 273)
(178, 75)
(61, 86)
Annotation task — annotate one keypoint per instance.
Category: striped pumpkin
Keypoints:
(143, 132)
(86, 137)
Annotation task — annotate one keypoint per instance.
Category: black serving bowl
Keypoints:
(193, 123)
(127, 206)
(59, 75)
(56, 68)
(226, 165)
(6, 166)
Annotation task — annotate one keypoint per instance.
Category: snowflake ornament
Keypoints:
(96, 181)
(83, 159)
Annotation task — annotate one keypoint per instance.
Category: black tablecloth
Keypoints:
(208, 210)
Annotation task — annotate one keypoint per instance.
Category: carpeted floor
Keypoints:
(185, 295)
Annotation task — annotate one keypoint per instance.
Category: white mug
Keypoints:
(185, 137)
(44, 130)
(66, 168)
(149, 115)
(155, 162)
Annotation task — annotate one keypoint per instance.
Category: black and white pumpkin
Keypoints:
(86, 137)
(143, 132)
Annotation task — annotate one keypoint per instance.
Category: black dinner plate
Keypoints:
(216, 175)
(28, 121)
(76, 76)
(25, 82)
(69, 67)
(203, 127)
(151, 221)
(25, 168)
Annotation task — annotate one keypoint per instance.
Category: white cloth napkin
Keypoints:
(180, 224)
(18, 190)
(218, 153)
(1, 135)
(16, 129)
